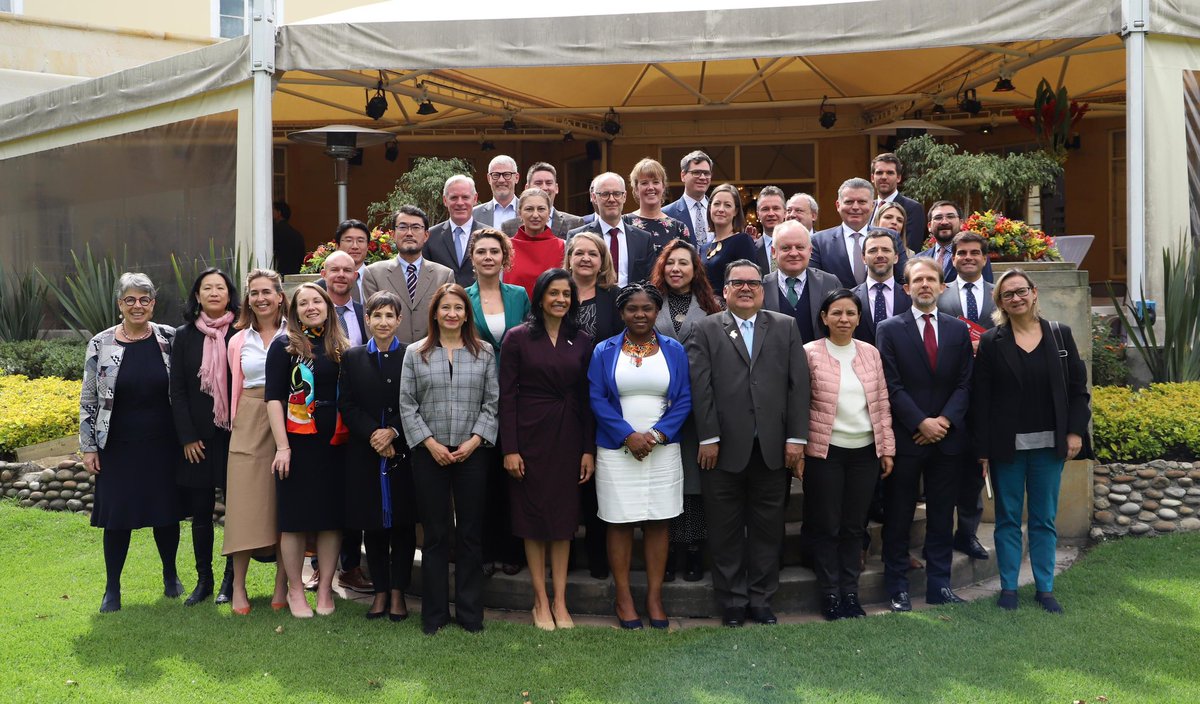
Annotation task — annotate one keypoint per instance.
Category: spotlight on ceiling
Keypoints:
(510, 125)
(426, 108)
(986, 129)
(568, 137)
(486, 146)
(1004, 85)
(969, 102)
(939, 108)
(392, 151)
(828, 118)
(612, 124)
(377, 105)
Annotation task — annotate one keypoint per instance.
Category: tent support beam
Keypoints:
(329, 103)
(1134, 31)
(704, 100)
(262, 67)
(754, 79)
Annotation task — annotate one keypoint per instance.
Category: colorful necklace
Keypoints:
(639, 352)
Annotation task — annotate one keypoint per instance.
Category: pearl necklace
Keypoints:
(131, 338)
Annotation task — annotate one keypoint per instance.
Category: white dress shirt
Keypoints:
(467, 227)
(623, 243)
(889, 298)
(848, 233)
(921, 323)
(976, 288)
(801, 282)
(502, 214)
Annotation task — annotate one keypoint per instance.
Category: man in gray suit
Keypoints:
(447, 243)
(969, 296)
(544, 176)
(410, 276)
(503, 177)
(793, 288)
(750, 396)
(629, 246)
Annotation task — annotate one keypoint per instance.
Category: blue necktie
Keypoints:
(748, 336)
(460, 244)
(972, 305)
(880, 313)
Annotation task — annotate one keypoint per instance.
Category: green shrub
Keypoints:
(1108, 356)
(36, 410)
(42, 358)
(1161, 422)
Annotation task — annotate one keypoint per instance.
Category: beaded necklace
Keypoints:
(639, 351)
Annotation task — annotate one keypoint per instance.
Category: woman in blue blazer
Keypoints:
(641, 395)
(498, 308)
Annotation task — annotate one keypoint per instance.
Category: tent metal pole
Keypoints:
(262, 67)
(1134, 32)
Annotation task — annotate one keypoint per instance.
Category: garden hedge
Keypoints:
(1160, 422)
(36, 410)
(39, 358)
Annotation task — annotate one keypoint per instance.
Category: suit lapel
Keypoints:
(839, 252)
(735, 337)
(399, 283)
(1007, 343)
(771, 291)
(914, 334)
(760, 336)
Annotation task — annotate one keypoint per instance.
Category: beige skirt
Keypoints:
(250, 522)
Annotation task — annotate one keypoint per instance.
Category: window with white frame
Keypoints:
(11, 6)
(229, 18)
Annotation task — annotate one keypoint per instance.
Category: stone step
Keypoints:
(797, 588)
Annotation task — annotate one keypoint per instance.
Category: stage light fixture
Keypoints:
(612, 123)
(392, 151)
(486, 146)
(969, 102)
(377, 105)
(828, 118)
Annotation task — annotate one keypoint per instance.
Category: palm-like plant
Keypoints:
(86, 296)
(1177, 358)
(21, 300)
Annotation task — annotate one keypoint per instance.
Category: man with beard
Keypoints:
(410, 276)
(881, 295)
(945, 221)
(927, 361)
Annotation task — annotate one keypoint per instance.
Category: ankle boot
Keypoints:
(225, 593)
(674, 555)
(694, 562)
(204, 585)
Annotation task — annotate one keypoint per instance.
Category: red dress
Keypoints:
(532, 256)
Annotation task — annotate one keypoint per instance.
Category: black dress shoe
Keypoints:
(472, 627)
(489, 569)
(173, 588)
(510, 568)
(851, 608)
(831, 607)
(733, 616)
(1048, 602)
(432, 628)
(599, 572)
(763, 615)
(945, 595)
(111, 601)
(225, 593)
(900, 603)
(202, 591)
(694, 563)
(1008, 600)
(971, 547)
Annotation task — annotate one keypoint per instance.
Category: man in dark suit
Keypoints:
(504, 178)
(881, 295)
(544, 176)
(750, 396)
(970, 297)
(696, 171)
(927, 361)
(839, 249)
(945, 222)
(448, 240)
(886, 174)
(793, 288)
(629, 246)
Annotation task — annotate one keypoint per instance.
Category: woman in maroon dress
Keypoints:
(547, 433)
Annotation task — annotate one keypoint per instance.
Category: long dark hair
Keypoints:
(469, 337)
(192, 312)
(701, 286)
(537, 316)
(834, 297)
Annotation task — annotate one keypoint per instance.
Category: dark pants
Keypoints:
(499, 544)
(840, 487)
(390, 555)
(941, 473)
(435, 485)
(595, 536)
(200, 505)
(745, 530)
(970, 499)
(352, 546)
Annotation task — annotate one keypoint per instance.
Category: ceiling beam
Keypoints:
(704, 100)
(633, 88)
(329, 103)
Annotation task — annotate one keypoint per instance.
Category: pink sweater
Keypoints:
(826, 380)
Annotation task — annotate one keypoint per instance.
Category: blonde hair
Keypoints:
(891, 206)
(647, 168)
(607, 276)
(999, 315)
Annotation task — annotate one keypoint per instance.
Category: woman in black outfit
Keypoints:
(377, 456)
(200, 404)
(301, 394)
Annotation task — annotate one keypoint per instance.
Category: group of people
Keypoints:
(518, 371)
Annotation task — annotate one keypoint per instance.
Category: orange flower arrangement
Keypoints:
(1010, 240)
(380, 247)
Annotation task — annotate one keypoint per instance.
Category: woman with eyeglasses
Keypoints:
(127, 435)
(727, 222)
(535, 246)
(1030, 409)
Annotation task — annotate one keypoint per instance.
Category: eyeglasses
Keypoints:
(143, 301)
(1016, 293)
(744, 283)
(699, 173)
(502, 175)
(610, 195)
(943, 218)
(415, 229)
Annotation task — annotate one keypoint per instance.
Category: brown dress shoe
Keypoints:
(355, 580)
(311, 583)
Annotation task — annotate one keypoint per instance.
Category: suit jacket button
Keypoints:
(389, 381)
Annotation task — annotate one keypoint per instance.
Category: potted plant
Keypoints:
(1052, 119)
(1010, 240)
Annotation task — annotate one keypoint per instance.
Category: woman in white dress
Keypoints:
(641, 396)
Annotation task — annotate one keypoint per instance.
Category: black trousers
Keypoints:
(435, 485)
(499, 544)
(352, 547)
(970, 499)
(390, 554)
(745, 531)
(941, 473)
(840, 487)
(595, 531)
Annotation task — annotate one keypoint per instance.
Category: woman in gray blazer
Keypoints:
(689, 298)
(448, 397)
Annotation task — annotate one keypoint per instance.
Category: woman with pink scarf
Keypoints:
(200, 390)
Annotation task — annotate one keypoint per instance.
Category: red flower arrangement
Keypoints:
(1010, 240)
(1053, 117)
(380, 247)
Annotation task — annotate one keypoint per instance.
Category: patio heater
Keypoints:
(341, 142)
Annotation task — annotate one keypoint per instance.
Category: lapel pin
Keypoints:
(733, 334)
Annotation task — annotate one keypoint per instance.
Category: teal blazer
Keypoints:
(516, 310)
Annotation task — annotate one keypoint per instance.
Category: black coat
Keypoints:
(608, 319)
(998, 396)
(369, 399)
(191, 407)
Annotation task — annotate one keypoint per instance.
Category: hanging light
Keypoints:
(969, 102)
(612, 124)
(828, 118)
(568, 137)
(1005, 84)
(392, 151)
(377, 105)
(487, 146)
(510, 125)
(426, 107)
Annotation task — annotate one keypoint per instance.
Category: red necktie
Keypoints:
(614, 246)
(930, 340)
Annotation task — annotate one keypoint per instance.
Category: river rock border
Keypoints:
(65, 487)
(1158, 497)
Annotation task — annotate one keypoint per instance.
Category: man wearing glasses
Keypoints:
(695, 170)
(410, 276)
(503, 178)
(750, 399)
(629, 246)
(945, 221)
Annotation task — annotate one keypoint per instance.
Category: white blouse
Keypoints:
(254, 358)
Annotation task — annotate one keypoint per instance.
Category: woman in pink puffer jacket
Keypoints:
(850, 441)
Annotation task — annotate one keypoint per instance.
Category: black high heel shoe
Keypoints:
(397, 618)
(111, 601)
(373, 615)
(633, 625)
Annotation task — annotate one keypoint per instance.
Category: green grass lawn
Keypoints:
(1130, 634)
